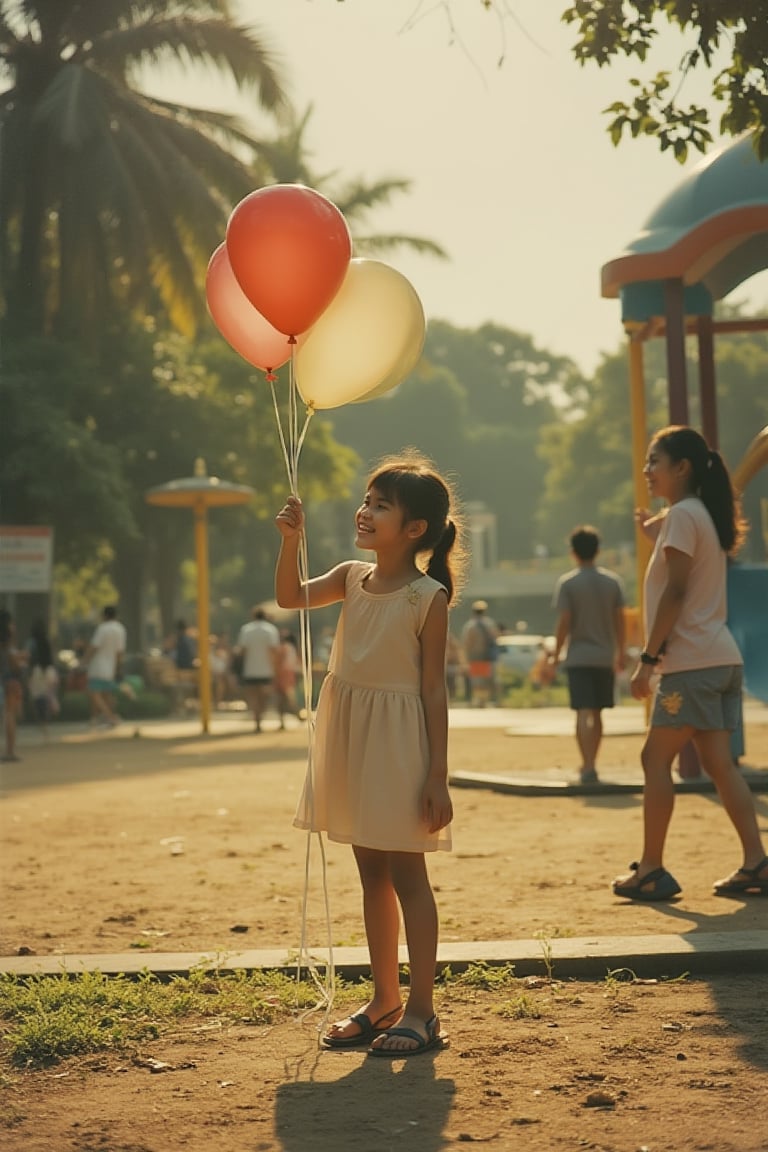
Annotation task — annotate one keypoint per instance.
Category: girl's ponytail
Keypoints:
(439, 567)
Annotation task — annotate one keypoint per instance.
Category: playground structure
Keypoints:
(704, 239)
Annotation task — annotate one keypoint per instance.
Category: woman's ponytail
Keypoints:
(710, 479)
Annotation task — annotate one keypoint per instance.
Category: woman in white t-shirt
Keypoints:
(687, 640)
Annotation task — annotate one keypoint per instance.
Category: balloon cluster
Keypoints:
(284, 286)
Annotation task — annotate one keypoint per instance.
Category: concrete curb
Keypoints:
(581, 957)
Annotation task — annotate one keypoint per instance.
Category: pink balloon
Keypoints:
(289, 248)
(238, 321)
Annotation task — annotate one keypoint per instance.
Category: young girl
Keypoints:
(380, 758)
(699, 695)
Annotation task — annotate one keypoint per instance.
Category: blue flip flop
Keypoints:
(369, 1030)
(663, 886)
(433, 1040)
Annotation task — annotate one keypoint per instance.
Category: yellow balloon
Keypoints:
(405, 366)
(368, 339)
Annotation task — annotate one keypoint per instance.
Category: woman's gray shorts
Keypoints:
(707, 699)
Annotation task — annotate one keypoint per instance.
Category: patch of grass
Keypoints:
(520, 1007)
(47, 1018)
(487, 977)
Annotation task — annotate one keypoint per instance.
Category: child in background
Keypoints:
(288, 668)
(380, 764)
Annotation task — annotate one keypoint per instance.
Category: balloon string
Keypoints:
(291, 445)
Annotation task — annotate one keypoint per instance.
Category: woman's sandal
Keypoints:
(752, 883)
(369, 1030)
(663, 885)
(434, 1039)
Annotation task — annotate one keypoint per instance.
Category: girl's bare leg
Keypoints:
(382, 929)
(414, 892)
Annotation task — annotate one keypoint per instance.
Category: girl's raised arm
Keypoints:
(290, 590)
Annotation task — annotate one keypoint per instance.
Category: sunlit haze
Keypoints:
(503, 137)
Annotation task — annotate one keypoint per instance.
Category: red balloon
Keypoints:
(289, 248)
(237, 319)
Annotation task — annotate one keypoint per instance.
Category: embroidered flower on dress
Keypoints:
(413, 594)
(672, 703)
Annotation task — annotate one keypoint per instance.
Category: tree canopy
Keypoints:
(112, 200)
(608, 30)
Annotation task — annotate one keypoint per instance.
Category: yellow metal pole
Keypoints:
(639, 445)
(203, 613)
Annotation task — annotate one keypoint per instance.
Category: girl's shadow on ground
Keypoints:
(378, 1105)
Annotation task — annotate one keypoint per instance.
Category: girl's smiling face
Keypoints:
(667, 479)
(378, 521)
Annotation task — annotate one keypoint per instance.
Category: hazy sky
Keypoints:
(512, 169)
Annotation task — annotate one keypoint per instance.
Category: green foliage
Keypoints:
(487, 977)
(611, 29)
(589, 458)
(112, 200)
(75, 706)
(55, 468)
(520, 1007)
(79, 590)
(48, 1018)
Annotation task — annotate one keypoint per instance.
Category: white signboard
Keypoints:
(26, 558)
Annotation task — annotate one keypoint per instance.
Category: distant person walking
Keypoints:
(43, 678)
(590, 605)
(258, 646)
(184, 648)
(12, 663)
(286, 677)
(104, 658)
(687, 640)
(478, 639)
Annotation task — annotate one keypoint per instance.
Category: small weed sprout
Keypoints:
(521, 1007)
(546, 949)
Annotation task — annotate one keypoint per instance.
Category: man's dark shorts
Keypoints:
(591, 687)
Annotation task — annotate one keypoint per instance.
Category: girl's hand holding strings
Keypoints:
(290, 518)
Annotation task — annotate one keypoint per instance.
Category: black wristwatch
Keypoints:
(646, 658)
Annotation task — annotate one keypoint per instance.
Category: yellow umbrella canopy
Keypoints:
(191, 490)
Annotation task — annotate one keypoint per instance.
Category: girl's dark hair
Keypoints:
(711, 481)
(411, 482)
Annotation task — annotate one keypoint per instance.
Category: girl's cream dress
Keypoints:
(371, 755)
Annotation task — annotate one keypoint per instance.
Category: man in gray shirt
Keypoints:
(590, 605)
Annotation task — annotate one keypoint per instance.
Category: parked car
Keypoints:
(519, 651)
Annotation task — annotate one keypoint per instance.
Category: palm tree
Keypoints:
(289, 162)
(109, 197)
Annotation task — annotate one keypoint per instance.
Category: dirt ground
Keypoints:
(117, 843)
